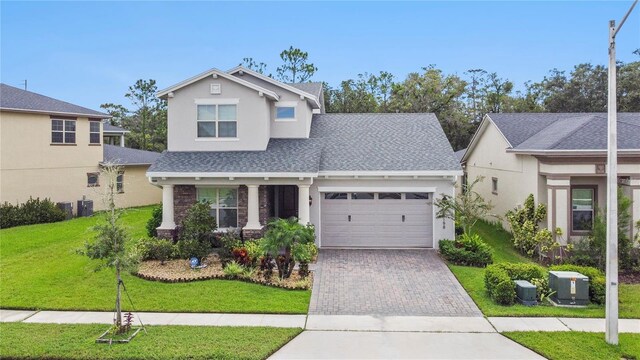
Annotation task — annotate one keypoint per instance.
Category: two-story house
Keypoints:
(53, 149)
(560, 158)
(257, 148)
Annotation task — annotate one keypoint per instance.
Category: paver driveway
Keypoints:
(387, 282)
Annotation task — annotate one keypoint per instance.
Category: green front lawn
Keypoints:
(56, 341)
(578, 345)
(472, 279)
(39, 269)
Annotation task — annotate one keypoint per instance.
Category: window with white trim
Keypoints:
(217, 121)
(63, 131)
(224, 205)
(285, 112)
(582, 208)
(94, 132)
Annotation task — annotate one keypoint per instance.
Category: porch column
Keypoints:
(635, 205)
(559, 206)
(303, 204)
(122, 140)
(168, 222)
(253, 208)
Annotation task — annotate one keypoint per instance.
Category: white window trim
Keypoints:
(222, 229)
(291, 104)
(217, 121)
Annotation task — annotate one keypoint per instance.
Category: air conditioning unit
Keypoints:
(85, 208)
(67, 208)
(570, 287)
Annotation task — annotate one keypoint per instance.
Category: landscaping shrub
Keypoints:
(197, 231)
(281, 237)
(597, 280)
(498, 279)
(157, 249)
(33, 211)
(233, 270)
(304, 254)
(524, 225)
(468, 250)
(228, 241)
(155, 221)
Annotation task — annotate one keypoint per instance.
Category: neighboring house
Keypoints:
(559, 158)
(113, 135)
(258, 149)
(53, 149)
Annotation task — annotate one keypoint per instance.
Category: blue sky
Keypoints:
(88, 53)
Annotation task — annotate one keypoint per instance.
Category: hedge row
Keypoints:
(467, 251)
(34, 211)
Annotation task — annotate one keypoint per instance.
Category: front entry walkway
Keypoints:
(387, 282)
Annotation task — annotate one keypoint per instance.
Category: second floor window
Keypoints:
(94, 132)
(217, 121)
(63, 131)
(285, 112)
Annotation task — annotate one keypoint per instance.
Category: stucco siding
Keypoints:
(253, 129)
(137, 189)
(442, 228)
(517, 175)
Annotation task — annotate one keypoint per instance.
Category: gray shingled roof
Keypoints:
(18, 99)
(460, 154)
(108, 128)
(338, 142)
(127, 156)
(313, 88)
(566, 131)
(282, 155)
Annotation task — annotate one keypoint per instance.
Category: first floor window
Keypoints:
(217, 121)
(224, 205)
(94, 132)
(63, 131)
(120, 183)
(582, 209)
(93, 179)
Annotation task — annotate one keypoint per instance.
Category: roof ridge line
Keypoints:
(574, 130)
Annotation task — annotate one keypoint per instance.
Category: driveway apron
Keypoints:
(387, 282)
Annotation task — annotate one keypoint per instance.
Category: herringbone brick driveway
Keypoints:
(387, 282)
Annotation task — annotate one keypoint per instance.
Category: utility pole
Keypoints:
(611, 311)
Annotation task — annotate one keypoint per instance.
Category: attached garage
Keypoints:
(376, 219)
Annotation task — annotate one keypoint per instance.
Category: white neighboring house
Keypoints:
(560, 158)
(258, 149)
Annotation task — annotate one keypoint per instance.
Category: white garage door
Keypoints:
(384, 220)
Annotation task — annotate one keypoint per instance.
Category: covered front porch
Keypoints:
(575, 192)
(246, 204)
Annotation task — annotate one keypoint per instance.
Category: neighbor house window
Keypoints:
(94, 132)
(224, 205)
(63, 131)
(582, 208)
(494, 186)
(217, 121)
(93, 179)
(285, 112)
(120, 183)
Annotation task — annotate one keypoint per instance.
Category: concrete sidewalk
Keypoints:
(432, 324)
(153, 318)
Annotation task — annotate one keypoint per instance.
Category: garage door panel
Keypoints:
(376, 223)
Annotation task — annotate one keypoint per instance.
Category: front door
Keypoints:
(286, 200)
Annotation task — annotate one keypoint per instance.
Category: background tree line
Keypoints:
(459, 102)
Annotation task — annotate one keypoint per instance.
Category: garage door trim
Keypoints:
(377, 189)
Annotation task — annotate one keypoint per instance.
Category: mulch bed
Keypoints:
(174, 271)
(629, 277)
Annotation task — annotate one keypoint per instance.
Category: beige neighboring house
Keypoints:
(257, 148)
(558, 157)
(53, 149)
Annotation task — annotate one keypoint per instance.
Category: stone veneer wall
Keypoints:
(184, 196)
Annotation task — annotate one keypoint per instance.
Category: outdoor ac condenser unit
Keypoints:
(67, 208)
(85, 208)
(571, 288)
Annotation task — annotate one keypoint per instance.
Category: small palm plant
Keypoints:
(281, 237)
